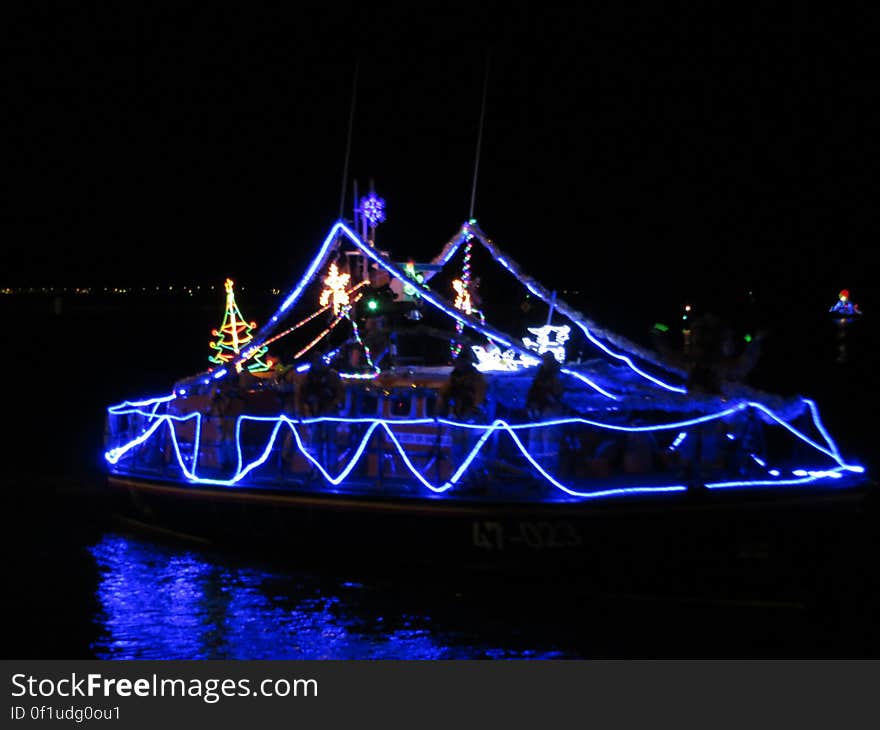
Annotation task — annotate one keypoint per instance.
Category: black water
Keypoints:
(81, 584)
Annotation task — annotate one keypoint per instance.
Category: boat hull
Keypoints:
(753, 545)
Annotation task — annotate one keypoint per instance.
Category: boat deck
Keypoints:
(492, 491)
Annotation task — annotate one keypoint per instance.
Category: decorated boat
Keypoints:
(398, 418)
(844, 309)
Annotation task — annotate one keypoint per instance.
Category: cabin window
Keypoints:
(430, 405)
(401, 405)
(367, 404)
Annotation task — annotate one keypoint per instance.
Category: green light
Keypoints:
(372, 305)
(748, 338)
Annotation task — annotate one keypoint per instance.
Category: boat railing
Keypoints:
(392, 441)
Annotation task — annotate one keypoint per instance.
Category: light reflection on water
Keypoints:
(161, 602)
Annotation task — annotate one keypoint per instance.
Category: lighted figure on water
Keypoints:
(845, 311)
(234, 334)
(844, 305)
(543, 343)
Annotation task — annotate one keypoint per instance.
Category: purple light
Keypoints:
(373, 209)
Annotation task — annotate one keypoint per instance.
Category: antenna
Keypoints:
(348, 141)
(479, 136)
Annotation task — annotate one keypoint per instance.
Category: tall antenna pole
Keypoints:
(479, 136)
(348, 141)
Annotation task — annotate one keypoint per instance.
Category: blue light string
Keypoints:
(817, 422)
(632, 366)
(451, 311)
(137, 404)
(809, 479)
(425, 293)
(584, 328)
(833, 452)
(114, 455)
(310, 272)
(586, 380)
(293, 296)
(461, 238)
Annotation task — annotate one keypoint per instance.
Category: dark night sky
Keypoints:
(657, 151)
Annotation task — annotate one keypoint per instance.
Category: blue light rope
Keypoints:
(559, 485)
(543, 297)
(451, 311)
(817, 422)
(339, 478)
(425, 293)
(832, 452)
(809, 479)
(114, 455)
(585, 380)
(148, 402)
(445, 259)
(295, 294)
(632, 366)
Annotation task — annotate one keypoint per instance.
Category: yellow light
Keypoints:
(336, 289)
(462, 296)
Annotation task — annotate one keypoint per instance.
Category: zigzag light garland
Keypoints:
(802, 476)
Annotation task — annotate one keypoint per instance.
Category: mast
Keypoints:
(348, 142)
(479, 138)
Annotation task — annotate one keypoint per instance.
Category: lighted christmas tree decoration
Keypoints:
(844, 305)
(373, 209)
(234, 334)
(543, 343)
(335, 294)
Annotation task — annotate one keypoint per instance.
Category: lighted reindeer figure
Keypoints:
(544, 343)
